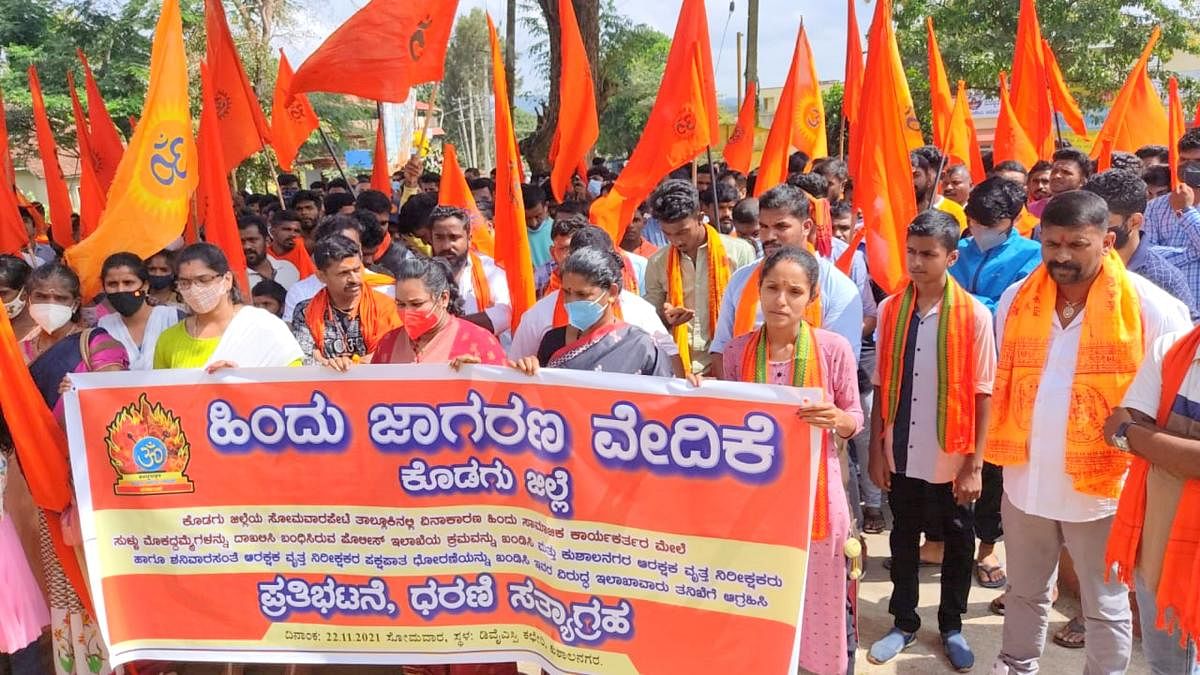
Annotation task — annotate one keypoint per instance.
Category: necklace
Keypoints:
(1070, 309)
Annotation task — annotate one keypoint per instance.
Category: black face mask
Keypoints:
(160, 281)
(127, 303)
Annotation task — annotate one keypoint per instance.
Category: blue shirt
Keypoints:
(539, 242)
(1175, 237)
(1150, 264)
(652, 232)
(986, 274)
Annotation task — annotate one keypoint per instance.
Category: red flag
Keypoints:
(1060, 96)
(382, 51)
(104, 137)
(799, 120)
(454, 191)
(292, 117)
(240, 118)
(381, 178)
(1137, 116)
(883, 182)
(740, 146)
(1176, 127)
(214, 202)
(1030, 94)
(12, 229)
(961, 142)
(1011, 141)
(91, 194)
(56, 186)
(682, 122)
(939, 86)
(854, 67)
(512, 238)
(578, 127)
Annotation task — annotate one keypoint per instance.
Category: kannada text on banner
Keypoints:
(408, 514)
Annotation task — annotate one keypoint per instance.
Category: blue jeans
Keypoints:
(1163, 651)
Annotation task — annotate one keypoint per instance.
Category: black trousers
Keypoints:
(908, 498)
(988, 527)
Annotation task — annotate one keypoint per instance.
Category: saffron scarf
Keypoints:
(956, 363)
(1110, 350)
(806, 372)
(376, 314)
(1177, 588)
(479, 282)
(718, 279)
(745, 316)
(299, 257)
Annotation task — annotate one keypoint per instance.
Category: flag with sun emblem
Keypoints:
(148, 202)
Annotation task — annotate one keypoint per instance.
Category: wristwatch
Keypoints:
(1119, 439)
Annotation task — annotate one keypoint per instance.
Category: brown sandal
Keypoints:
(1075, 626)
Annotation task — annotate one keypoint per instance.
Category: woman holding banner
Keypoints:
(595, 337)
(58, 347)
(222, 332)
(433, 330)
(787, 351)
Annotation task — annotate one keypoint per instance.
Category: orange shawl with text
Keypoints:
(376, 313)
(718, 279)
(479, 282)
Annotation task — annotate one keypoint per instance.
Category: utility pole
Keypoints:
(741, 85)
(752, 42)
(510, 56)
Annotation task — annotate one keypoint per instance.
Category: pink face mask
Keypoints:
(418, 322)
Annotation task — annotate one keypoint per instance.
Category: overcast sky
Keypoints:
(778, 22)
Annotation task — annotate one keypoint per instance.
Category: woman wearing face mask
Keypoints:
(433, 331)
(160, 269)
(14, 272)
(58, 347)
(222, 331)
(135, 323)
(595, 338)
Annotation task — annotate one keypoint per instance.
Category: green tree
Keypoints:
(636, 58)
(466, 92)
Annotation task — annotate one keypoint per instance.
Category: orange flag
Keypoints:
(292, 117)
(578, 127)
(1030, 94)
(240, 118)
(854, 67)
(382, 51)
(1011, 141)
(454, 191)
(12, 229)
(1064, 103)
(740, 146)
(104, 137)
(939, 86)
(1176, 127)
(1137, 116)
(214, 202)
(56, 186)
(799, 120)
(158, 173)
(682, 122)
(91, 194)
(883, 183)
(381, 178)
(512, 239)
(7, 173)
(962, 143)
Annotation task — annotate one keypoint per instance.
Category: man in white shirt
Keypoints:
(259, 265)
(482, 286)
(1046, 425)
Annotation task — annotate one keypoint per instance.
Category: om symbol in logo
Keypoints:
(737, 135)
(165, 163)
(685, 122)
(416, 43)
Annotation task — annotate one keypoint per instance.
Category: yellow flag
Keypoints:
(148, 201)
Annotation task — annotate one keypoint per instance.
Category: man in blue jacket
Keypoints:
(995, 255)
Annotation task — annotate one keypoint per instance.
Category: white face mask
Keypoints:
(987, 239)
(13, 307)
(49, 316)
(203, 299)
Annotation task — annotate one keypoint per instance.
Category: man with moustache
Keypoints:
(481, 285)
(259, 265)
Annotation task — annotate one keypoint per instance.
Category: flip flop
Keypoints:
(873, 522)
(984, 572)
(1075, 626)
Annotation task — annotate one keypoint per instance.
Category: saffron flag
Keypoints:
(13, 237)
(381, 178)
(1011, 141)
(382, 51)
(8, 175)
(682, 122)
(240, 119)
(962, 143)
(91, 194)
(883, 182)
(1176, 127)
(1061, 98)
(1030, 95)
(454, 191)
(739, 148)
(213, 201)
(158, 173)
(1137, 116)
(942, 102)
(903, 100)
(578, 126)
(292, 117)
(512, 238)
(799, 120)
(104, 137)
(56, 185)
(854, 67)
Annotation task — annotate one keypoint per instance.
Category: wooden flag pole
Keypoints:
(424, 141)
(333, 155)
(712, 186)
(275, 175)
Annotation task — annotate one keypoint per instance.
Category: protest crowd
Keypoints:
(1047, 294)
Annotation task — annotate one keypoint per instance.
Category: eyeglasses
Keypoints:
(202, 281)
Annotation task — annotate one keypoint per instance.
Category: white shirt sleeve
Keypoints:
(841, 307)
(729, 301)
(638, 312)
(1145, 392)
(533, 327)
(500, 312)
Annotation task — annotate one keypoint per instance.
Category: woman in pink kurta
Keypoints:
(789, 277)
